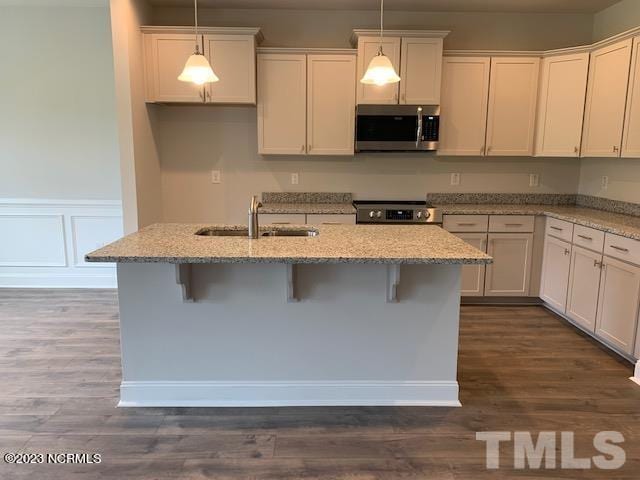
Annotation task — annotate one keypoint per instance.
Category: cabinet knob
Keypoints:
(302, 149)
(567, 251)
(576, 149)
(615, 148)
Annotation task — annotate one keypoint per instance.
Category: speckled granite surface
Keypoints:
(606, 204)
(393, 244)
(502, 198)
(624, 225)
(327, 203)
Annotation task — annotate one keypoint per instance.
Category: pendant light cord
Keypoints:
(381, 19)
(195, 10)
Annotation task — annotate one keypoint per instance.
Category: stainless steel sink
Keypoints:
(222, 232)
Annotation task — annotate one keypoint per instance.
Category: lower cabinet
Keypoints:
(618, 304)
(555, 272)
(510, 271)
(283, 218)
(473, 275)
(584, 285)
(330, 219)
(307, 219)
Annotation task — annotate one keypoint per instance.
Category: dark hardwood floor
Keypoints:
(521, 369)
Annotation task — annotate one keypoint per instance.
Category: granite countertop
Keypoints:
(376, 244)
(308, 208)
(619, 224)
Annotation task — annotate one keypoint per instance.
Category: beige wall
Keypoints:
(616, 19)
(58, 135)
(326, 28)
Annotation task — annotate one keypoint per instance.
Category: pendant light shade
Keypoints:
(197, 69)
(380, 71)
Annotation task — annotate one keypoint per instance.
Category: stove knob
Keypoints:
(378, 214)
(372, 214)
(419, 215)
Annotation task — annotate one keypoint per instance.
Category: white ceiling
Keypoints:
(524, 6)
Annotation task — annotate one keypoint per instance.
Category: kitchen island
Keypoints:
(344, 315)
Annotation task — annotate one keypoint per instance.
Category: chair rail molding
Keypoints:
(44, 242)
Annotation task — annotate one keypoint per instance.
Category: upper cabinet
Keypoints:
(463, 109)
(631, 137)
(231, 52)
(512, 106)
(420, 71)
(306, 103)
(415, 55)
(606, 100)
(563, 85)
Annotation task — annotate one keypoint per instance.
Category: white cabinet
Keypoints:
(165, 56)
(233, 60)
(510, 272)
(555, 272)
(473, 275)
(231, 52)
(561, 105)
(606, 100)
(367, 49)
(513, 92)
(282, 97)
(584, 285)
(330, 104)
(463, 108)
(420, 71)
(618, 304)
(631, 138)
(282, 218)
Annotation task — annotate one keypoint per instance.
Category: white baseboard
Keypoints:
(636, 374)
(44, 242)
(301, 393)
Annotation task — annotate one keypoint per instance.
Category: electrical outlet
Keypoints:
(605, 182)
(215, 176)
(455, 179)
(534, 180)
(294, 179)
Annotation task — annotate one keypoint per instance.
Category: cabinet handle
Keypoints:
(513, 224)
(302, 149)
(483, 149)
(597, 264)
(331, 223)
(556, 228)
(615, 148)
(202, 97)
(585, 237)
(488, 149)
(620, 249)
(404, 97)
(567, 251)
(467, 224)
(576, 149)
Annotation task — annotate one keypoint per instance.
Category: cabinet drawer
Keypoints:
(466, 223)
(330, 219)
(560, 229)
(588, 238)
(622, 248)
(511, 223)
(282, 218)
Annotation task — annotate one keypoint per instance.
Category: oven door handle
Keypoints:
(419, 132)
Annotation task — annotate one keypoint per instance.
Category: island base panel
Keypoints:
(240, 342)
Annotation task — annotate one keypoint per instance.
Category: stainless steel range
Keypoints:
(396, 212)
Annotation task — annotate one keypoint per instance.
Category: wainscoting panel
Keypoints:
(43, 242)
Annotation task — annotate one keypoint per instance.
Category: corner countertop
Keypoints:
(616, 223)
(308, 208)
(373, 244)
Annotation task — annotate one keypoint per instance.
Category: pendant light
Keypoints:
(380, 71)
(197, 69)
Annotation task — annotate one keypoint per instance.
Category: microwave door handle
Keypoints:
(419, 132)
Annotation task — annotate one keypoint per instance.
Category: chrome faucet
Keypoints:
(253, 217)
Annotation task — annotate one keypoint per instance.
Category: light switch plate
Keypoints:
(534, 180)
(455, 179)
(215, 176)
(605, 182)
(294, 179)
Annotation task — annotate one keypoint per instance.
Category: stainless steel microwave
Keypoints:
(397, 128)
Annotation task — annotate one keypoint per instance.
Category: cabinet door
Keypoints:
(331, 103)
(165, 56)
(463, 110)
(330, 219)
(631, 138)
(606, 100)
(282, 218)
(584, 285)
(233, 59)
(473, 275)
(420, 71)
(513, 92)
(282, 103)
(618, 304)
(561, 105)
(367, 49)
(510, 272)
(555, 272)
